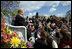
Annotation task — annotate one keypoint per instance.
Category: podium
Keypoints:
(22, 30)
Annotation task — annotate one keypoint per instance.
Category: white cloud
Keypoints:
(35, 5)
(65, 3)
(46, 15)
(52, 3)
(32, 14)
(56, 3)
(52, 9)
(60, 15)
(31, 5)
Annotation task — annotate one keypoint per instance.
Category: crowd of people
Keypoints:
(52, 32)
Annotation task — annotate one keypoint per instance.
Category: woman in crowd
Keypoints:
(65, 39)
(44, 40)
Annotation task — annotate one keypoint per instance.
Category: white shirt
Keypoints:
(54, 44)
(53, 32)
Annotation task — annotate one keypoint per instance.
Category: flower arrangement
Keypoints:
(11, 40)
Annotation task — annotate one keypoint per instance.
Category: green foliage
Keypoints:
(12, 13)
(2, 15)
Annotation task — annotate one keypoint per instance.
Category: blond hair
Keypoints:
(21, 11)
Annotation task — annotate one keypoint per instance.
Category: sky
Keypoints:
(45, 8)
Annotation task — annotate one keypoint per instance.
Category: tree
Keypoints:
(54, 16)
(9, 4)
(68, 15)
(6, 12)
(9, 9)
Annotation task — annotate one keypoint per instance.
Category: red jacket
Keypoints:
(64, 43)
(31, 28)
